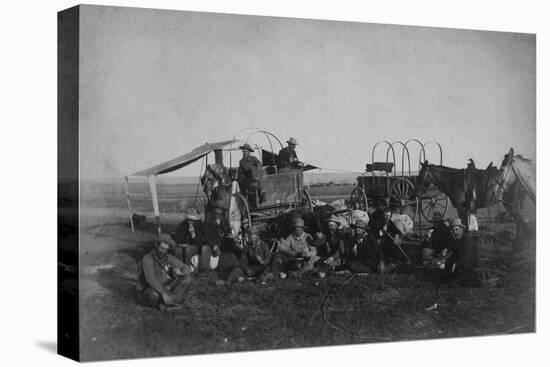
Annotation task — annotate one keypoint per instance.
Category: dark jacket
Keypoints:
(465, 253)
(441, 238)
(183, 236)
(286, 155)
(249, 256)
(377, 224)
(366, 250)
(331, 245)
(250, 169)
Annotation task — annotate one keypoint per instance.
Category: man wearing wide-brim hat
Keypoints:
(465, 253)
(250, 176)
(288, 159)
(363, 253)
(296, 252)
(161, 276)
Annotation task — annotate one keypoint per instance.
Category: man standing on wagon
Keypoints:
(250, 175)
(288, 158)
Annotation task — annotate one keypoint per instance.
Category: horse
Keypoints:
(468, 189)
(516, 181)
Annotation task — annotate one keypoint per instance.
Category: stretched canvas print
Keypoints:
(236, 183)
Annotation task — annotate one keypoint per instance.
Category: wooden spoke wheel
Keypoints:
(358, 199)
(403, 197)
(435, 203)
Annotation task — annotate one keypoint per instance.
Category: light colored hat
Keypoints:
(359, 223)
(298, 222)
(457, 222)
(335, 219)
(359, 214)
(165, 237)
(192, 214)
(291, 140)
(246, 146)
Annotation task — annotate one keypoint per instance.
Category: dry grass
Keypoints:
(291, 313)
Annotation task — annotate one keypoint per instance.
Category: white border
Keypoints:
(29, 166)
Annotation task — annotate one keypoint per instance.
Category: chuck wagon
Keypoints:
(385, 183)
(282, 190)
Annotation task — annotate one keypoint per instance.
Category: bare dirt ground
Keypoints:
(293, 312)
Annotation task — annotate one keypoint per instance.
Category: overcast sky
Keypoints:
(156, 84)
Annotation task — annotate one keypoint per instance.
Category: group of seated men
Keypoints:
(368, 246)
(449, 247)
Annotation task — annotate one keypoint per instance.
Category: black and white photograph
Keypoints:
(235, 183)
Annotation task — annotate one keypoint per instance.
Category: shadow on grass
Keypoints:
(137, 252)
(121, 285)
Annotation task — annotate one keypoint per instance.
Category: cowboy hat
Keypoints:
(254, 230)
(292, 141)
(334, 218)
(165, 238)
(359, 214)
(298, 222)
(246, 146)
(457, 222)
(192, 214)
(360, 223)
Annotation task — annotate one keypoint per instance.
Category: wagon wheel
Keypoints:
(403, 196)
(358, 199)
(431, 204)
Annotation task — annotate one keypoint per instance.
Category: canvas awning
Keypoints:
(184, 160)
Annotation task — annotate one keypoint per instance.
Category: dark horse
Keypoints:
(468, 189)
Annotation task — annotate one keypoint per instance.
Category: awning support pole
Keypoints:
(129, 201)
(153, 189)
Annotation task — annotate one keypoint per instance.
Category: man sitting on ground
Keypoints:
(438, 239)
(329, 246)
(296, 252)
(229, 268)
(191, 240)
(364, 253)
(388, 235)
(161, 276)
(465, 255)
(256, 259)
